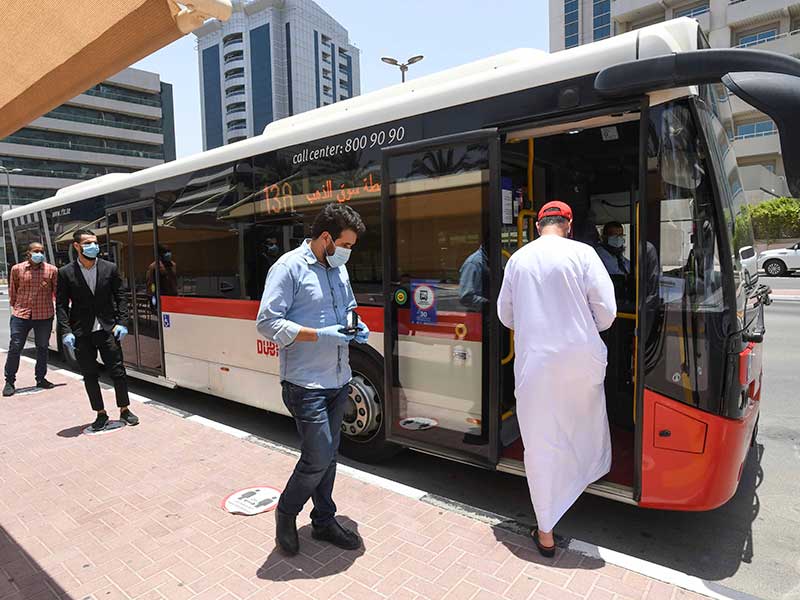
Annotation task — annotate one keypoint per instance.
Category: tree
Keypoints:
(776, 219)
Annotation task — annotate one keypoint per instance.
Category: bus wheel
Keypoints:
(775, 268)
(363, 428)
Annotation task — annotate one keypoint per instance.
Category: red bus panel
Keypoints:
(698, 465)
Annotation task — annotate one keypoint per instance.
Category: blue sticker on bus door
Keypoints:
(166, 320)
(423, 302)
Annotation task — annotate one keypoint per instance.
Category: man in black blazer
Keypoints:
(91, 313)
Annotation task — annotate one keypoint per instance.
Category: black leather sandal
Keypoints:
(546, 551)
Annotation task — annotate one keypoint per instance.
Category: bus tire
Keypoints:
(364, 429)
(775, 268)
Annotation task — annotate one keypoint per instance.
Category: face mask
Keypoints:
(167, 256)
(339, 257)
(90, 250)
(616, 241)
(37, 257)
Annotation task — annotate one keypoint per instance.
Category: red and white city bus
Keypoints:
(447, 172)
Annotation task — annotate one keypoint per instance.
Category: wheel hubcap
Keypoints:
(773, 269)
(362, 416)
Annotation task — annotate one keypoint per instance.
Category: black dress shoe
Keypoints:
(9, 389)
(100, 422)
(128, 417)
(286, 533)
(337, 535)
(45, 385)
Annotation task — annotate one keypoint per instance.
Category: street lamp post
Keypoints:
(403, 66)
(8, 183)
(8, 173)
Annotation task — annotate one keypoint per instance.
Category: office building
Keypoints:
(120, 125)
(761, 24)
(271, 59)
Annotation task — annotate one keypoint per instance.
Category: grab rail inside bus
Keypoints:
(530, 217)
(510, 356)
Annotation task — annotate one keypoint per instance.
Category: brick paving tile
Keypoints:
(659, 591)
(522, 588)
(461, 591)
(81, 529)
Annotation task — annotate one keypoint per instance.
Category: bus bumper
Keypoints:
(691, 460)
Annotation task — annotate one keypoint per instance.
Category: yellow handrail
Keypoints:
(529, 215)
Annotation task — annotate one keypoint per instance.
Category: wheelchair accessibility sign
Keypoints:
(167, 323)
(423, 302)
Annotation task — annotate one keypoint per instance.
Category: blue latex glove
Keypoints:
(363, 333)
(119, 331)
(331, 332)
(69, 341)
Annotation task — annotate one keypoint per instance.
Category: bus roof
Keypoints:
(501, 74)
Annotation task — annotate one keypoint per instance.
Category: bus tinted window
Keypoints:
(65, 221)
(686, 311)
(291, 196)
(203, 226)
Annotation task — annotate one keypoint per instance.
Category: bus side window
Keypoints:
(290, 198)
(203, 230)
(24, 235)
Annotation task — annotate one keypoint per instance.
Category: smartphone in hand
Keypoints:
(351, 327)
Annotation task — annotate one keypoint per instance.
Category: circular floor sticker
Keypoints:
(418, 423)
(110, 426)
(252, 501)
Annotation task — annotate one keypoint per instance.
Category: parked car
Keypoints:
(749, 260)
(780, 261)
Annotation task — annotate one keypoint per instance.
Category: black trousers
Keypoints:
(86, 348)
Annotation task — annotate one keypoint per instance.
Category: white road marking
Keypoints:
(654, 571)
(237, 433)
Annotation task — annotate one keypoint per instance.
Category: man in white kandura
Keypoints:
(557, 297)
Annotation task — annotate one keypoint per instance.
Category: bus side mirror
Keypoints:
(778, 96)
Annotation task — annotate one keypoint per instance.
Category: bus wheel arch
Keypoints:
(364, 427)
(775, 267)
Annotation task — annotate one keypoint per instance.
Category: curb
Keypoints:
(631, 563)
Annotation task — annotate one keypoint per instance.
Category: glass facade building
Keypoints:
(118, 126)
(271, 59)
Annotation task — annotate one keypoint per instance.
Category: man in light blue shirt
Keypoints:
(304, 308)
(473, 272)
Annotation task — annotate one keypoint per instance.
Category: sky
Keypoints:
(447, 32)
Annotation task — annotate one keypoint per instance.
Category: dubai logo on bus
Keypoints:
(266, 348)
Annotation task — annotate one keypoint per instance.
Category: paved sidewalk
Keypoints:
(136, 514)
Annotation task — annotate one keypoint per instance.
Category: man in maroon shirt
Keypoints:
(31, 288)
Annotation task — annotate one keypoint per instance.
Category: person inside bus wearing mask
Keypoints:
(31, 288)
(91, 313)
(304, 307)
(612, 249)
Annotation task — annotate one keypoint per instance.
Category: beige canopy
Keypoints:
(52, 50)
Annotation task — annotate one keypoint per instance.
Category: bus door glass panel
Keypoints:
(118, 245)
(131, 244)
(24, 235)
(686, 322)
(437, 229)
(149, 273)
